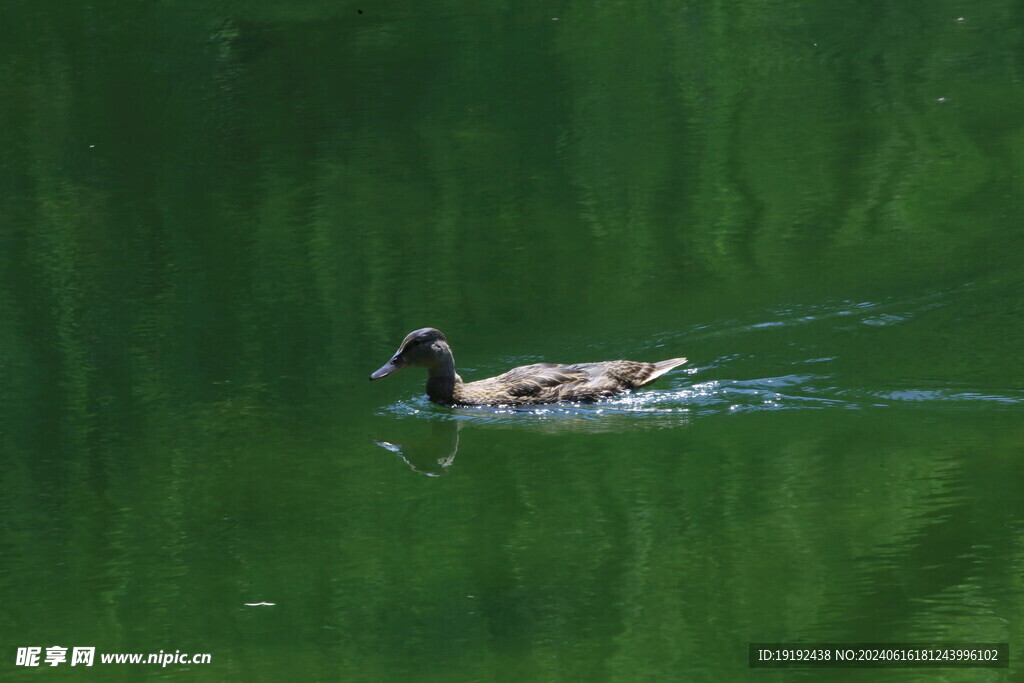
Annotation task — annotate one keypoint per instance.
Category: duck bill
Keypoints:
(393, 365)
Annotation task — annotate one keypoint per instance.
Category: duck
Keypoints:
(529, 384)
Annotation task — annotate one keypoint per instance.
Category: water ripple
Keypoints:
(673, 406)
(822, 368)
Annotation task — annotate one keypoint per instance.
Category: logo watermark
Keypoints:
(55, 655)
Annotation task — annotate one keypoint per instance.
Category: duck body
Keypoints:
(528, 384)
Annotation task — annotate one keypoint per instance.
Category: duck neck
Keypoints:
(441, 378)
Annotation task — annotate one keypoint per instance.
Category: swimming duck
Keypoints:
(537, 383)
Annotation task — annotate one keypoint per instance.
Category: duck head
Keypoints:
(425, 347)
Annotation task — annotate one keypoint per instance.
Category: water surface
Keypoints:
(217, 220)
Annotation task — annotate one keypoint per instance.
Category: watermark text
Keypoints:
(55, 655)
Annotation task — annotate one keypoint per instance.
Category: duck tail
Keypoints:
(661, 367)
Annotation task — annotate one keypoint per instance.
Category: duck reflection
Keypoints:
(430, 453)
(430, 448)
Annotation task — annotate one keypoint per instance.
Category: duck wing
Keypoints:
(577, 382)
(552, 382)
(543, 380)
(614, 376)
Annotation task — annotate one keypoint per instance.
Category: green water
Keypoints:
(216, 219)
